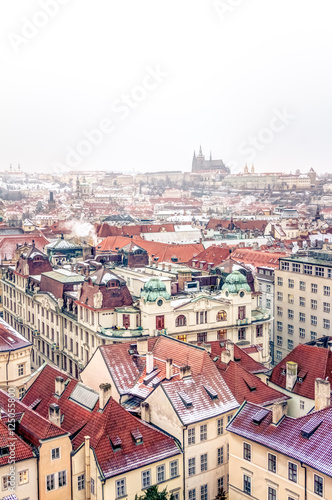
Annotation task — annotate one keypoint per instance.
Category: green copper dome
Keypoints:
(235, 282)
(153, 290)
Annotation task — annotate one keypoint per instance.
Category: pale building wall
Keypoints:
(25, 490)
(48, 466)
(133, 478)
(163, 415)
(96, 373)
(290, 300)
(262, 478)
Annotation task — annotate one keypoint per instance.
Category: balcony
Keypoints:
(36, 333)
(55, 347)
(240, 322)
(70, 314)
(18, 320)
(29, 292)
(161, 332)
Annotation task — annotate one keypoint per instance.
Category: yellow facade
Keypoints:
(108, 488)
(257, 469)
(54, 464)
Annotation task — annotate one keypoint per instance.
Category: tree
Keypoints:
(152, 493)
(221, 495)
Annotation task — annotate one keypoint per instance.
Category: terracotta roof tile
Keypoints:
(287, 437)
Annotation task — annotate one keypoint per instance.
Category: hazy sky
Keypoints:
(137, 85)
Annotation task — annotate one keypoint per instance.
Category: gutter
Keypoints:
(7, 371)
(305, 481)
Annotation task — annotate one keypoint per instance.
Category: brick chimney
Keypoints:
(169, 368)
(183, 276)
(185, 371)
(278, 411)
(145, 412)
(149, 362)
(54, 414)
(291, 375)
(59, 386)
(322, 394)
(104, 395)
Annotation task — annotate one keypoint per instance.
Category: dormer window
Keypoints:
(4, 450)
(137, 436)
(115, 443)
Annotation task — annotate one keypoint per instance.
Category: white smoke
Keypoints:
(84, 231)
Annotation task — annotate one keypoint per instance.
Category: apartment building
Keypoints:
(15, 366)
(48, 442)
(176, 387)
(296, 376)
(113, 454)
(302, 311)
(64, 314)
(232, 313)
(276, 457)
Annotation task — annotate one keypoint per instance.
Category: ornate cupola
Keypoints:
(235, 282)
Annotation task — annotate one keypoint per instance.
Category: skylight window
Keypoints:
(211, 392)
(185, 399)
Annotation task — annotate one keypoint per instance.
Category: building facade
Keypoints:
(302, 300)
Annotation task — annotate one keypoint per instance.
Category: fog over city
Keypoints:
(137, 86)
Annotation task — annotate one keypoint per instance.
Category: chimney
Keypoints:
(54, 414)
(228, 354)
(185, 371)
(170, 267)
(322, 394)
(278, 411)
(291, 375)
(142, 346)
(169, 368)
(104, 395)
(59, 386)
(145, 412)
(149, 362)
(330, 345)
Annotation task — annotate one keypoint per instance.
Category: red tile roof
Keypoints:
(214, 255)
(316, 362)
(32, 427)
(258, 258)
(248, 387)
(288, 436)
(10, 339)
(129, 375)
(242, 225)
(103, 427)
(22, 449)
(241, 356)
(162, 252)
(8, 244)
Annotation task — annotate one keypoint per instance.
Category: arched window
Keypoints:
(221, 316)
(181, 320)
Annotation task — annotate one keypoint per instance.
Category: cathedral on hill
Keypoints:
(199, 163)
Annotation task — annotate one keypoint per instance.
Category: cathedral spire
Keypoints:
(200, 151)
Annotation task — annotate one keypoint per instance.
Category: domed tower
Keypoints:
(155, 304)
(236, 282)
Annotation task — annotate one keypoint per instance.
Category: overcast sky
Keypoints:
(137, 85)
